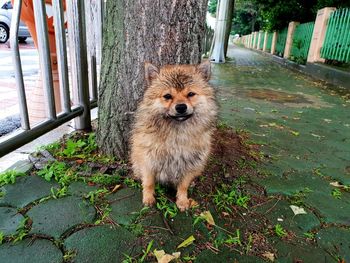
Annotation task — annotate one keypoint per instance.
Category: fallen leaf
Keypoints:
(206, 215)
(337, 184)
(187, 242)
(327, 120)
(297, 210)
(116, 187)
(270, 256)
(295, 133)
(163, 257)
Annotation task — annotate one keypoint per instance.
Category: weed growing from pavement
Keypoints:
(21, 231)
(227, 196)
(167, 207)
(2, 236)
(69, 256)
(104, 212)
(9, 177)
(279, 231)
(336, 193)
(298, 197)
(96, 195)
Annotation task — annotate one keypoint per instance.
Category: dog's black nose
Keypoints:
(181, 108)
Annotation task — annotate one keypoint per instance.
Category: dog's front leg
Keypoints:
(148, 184)
(182, 201)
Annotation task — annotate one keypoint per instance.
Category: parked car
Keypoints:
(5, 23)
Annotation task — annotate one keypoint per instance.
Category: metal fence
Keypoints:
(82, 67)
(337, 40)
(301, 41)
(281, 41)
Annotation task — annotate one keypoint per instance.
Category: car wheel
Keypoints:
(22, 39)
(4, 33)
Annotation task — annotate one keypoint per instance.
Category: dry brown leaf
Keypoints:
(116, 187)
(269, 255)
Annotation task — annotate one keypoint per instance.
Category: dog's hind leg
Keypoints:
(148, 185)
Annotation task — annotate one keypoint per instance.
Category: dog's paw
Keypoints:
(148, 200)
(183, 204)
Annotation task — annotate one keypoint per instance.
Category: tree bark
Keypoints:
(160, 32)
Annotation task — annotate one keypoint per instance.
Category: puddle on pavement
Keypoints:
(298, 100)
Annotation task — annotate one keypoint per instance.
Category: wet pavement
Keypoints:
(303, 129)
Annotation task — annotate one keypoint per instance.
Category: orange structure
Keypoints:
(36, 106)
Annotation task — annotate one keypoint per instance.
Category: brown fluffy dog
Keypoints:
(171, 138)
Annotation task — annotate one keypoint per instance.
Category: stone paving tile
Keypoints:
(336, 241)
(9, 220)
(81, 188)
(26, 190)
(28, 250)
(102, 244)
(279, 212)
(56, 216)
(207, 256)
(126, 205)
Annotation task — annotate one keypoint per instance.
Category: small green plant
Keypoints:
(52, 147)
(168, 208)
(145, 252)
(132, 183)
(2, 236)
(226, 196)
(136, 229)
(104, 214)
(248, 247)
(105, 179)
(2, 194)
(309, 235)
(58, 193)
(97, 195)
(9, 177)
(279, 231)
(236, 240)
(58, 171)
(21, 231)
(69, 255)
(298, 197)
(336, 193)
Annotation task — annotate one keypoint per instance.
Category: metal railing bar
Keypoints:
(93, 77)
(21, 138)
(16, 58)
(61, 47)
(78, 57)
(44, 56)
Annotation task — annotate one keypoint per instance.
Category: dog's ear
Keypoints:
(151, 72)
(204, 69)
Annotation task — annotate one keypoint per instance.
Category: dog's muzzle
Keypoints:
(180, 117)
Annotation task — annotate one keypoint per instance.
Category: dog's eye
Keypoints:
(191, 94)
(167, 96)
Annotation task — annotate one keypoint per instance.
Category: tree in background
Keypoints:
(160, 32)
(269, 15)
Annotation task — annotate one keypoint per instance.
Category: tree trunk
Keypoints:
(160, 32)
(228, 25)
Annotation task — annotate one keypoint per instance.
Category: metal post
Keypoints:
(21, 93)
(44, 56)
(61, 46)
(77, 40)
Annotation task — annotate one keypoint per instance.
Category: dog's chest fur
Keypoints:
(177, 155)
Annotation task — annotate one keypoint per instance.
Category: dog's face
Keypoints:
(178, 92)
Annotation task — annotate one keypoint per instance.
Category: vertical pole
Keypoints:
(259, 40)
(218, 55)
(318, 35)
(61, 45)
(76, 34)
(44, 56)
(21, 93)
(289, 41)
(274, 42)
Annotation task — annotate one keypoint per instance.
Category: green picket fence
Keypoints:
(301, 42)
(337, 40)
(269, 42)
(281, 41)
(256, 36)
(262, 39)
